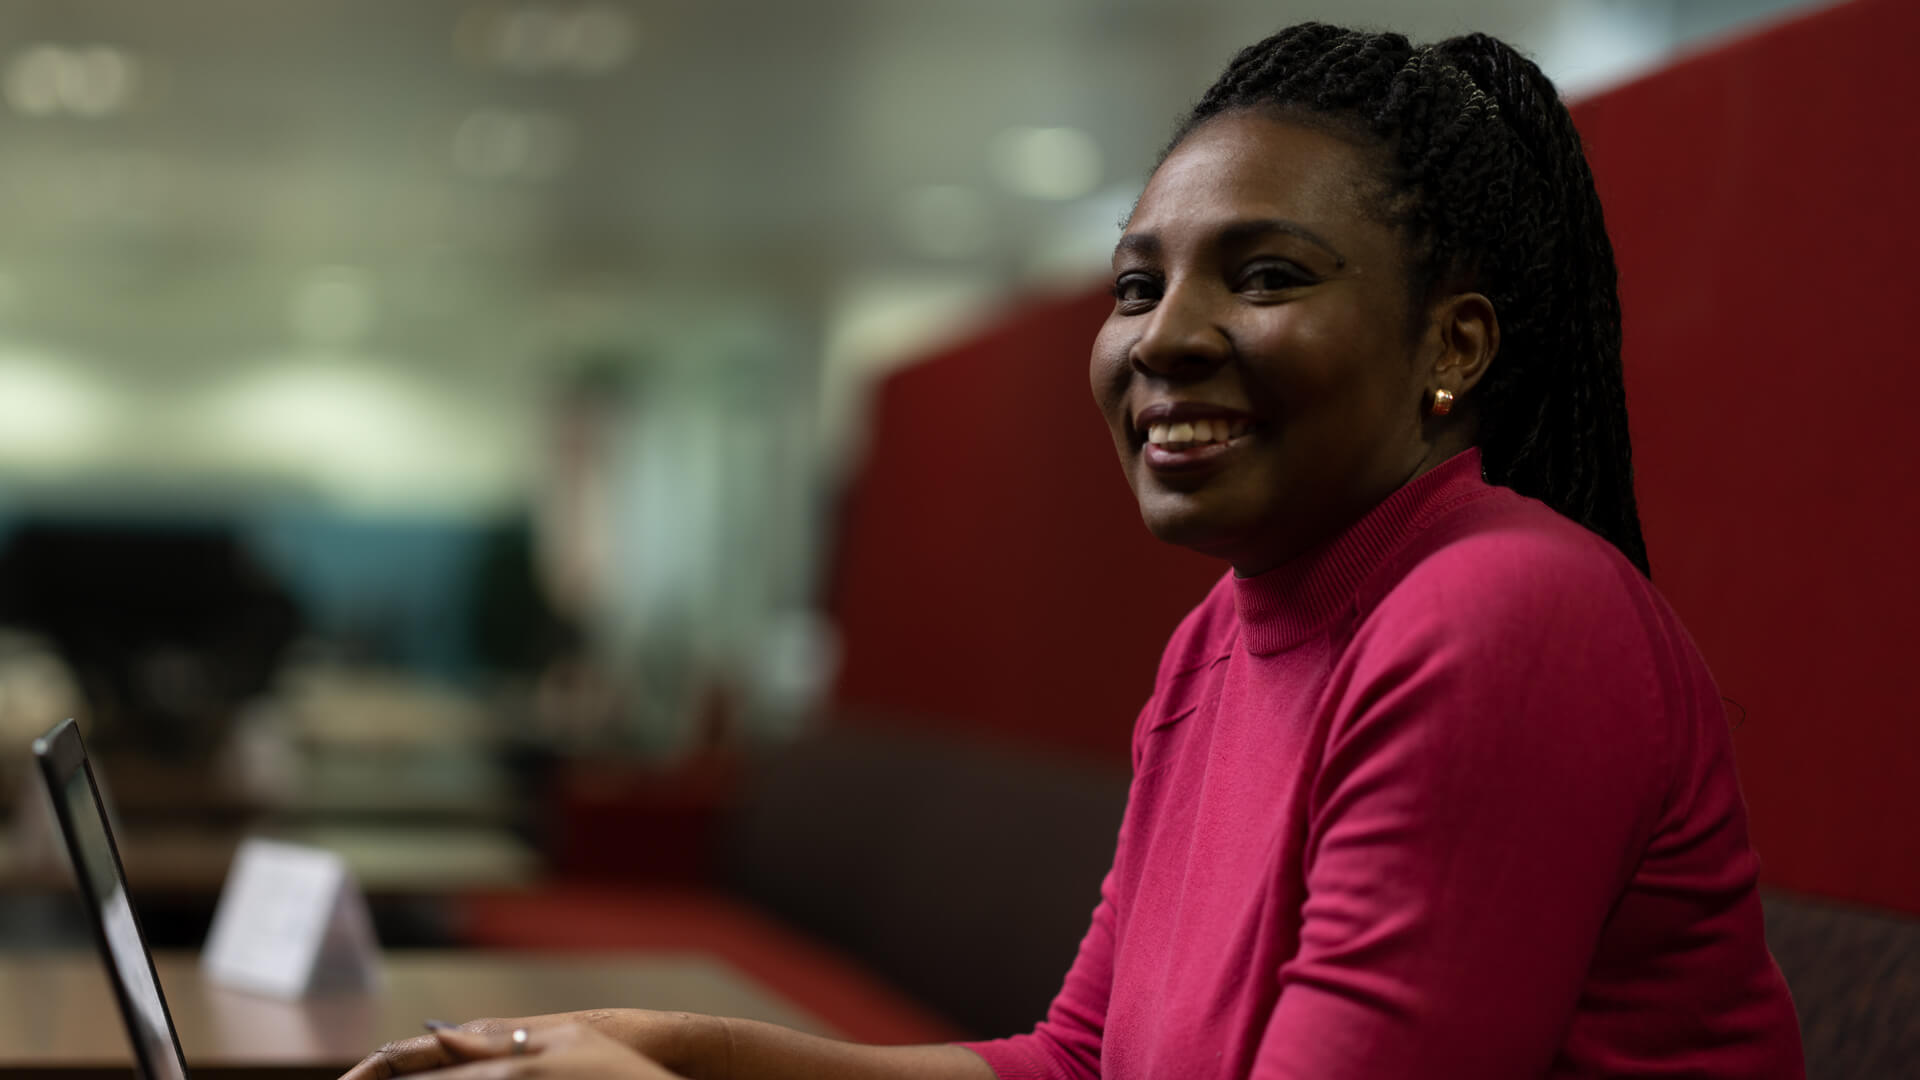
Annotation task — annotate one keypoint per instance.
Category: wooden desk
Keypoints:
(58, 1018)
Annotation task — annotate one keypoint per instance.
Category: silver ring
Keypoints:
(519, 1038)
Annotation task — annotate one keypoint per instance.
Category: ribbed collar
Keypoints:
(1292, 602)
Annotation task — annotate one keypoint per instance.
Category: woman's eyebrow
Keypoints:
(1235, 234)
(1145, 245)
(1244, 232)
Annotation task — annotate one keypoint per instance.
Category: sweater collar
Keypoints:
(1292, 602)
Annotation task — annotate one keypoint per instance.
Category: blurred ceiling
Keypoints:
(702, 147)
(468, 188)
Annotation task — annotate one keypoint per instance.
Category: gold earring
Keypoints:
(1442, 402)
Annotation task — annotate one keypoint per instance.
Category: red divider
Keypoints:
(994, 576)
(1759, 197)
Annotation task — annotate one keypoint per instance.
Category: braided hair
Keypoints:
(1485, 175)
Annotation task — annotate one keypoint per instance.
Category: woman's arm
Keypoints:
(751, 1050)
(704, 1048)
(1065, 1045)
(1497, 759)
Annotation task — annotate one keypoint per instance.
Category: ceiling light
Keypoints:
(94, 81)
(513, 143)
(33, 80)
(599, 38)
(535, 39)
(1056, 163)
(525, 39)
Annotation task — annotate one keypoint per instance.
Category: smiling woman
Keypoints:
(1433, 783)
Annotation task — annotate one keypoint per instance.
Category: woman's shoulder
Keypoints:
(1499, 567)
(1503, 619)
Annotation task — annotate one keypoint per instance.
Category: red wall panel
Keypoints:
(1759, 197)
(993, 573)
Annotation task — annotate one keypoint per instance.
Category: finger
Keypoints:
(461, 1045)
(398, 1058)
(500, 1068)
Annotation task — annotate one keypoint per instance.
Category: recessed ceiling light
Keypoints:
(94, 81)
(537, 39)
(599, 38)
(513, 144)
(33, 80)
(1056, 163)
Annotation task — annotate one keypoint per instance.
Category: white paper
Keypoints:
(291, 920)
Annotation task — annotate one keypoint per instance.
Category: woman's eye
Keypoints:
(1273, 277)
(1135, 289)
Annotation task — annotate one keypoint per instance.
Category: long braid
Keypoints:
(1489, 180)
(1591, 397)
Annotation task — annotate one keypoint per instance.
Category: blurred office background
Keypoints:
(460, 339)
(425, 426)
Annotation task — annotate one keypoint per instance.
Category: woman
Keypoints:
(1433, 783)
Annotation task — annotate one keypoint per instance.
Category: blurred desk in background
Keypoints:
(57, 1013)
(385, 859)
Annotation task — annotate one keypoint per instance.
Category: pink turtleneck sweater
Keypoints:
(1453, 797)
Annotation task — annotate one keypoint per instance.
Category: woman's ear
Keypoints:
(1467, 333)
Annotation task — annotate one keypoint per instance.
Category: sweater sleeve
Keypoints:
(1494, 764)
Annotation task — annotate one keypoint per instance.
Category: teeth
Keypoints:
(1197, 432)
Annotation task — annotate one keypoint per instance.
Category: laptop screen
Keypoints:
(97, 867)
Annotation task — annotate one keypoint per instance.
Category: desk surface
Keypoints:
(57, 1010)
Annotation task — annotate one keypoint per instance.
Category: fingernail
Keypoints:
(440, 1025)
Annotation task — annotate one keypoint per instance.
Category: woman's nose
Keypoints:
(1181, 338)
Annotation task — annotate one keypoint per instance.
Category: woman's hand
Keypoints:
(657, 1036)
(555, 1052)
(638, 1044)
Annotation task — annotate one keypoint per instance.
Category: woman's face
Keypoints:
(1261, 372)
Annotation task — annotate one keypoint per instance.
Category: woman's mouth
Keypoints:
(1184, 445)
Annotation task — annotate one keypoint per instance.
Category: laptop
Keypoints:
(103, 886)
